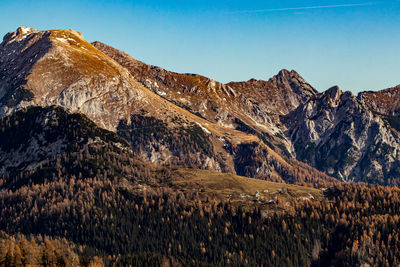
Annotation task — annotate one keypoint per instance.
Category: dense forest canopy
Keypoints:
(96, 203)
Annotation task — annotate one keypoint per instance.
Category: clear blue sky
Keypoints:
(355, 44)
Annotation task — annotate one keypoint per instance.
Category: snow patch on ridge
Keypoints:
(203, 128)
(25, 30)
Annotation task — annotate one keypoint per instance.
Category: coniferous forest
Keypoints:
(354, 225)
(96, 203)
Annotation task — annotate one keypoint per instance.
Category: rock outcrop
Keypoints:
(252, 106)
(341, 135)
(385, 101)
(280, 94)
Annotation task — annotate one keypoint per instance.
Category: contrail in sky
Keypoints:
(299, 8)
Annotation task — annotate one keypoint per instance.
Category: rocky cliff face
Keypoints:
(341, 135)
(385, 101)
(252, 106)
(59, 67)
(200, 95)
(280, 94)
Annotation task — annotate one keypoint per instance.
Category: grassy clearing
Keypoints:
(242, 190)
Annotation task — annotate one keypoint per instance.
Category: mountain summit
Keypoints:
(280, 94)
(59, 67)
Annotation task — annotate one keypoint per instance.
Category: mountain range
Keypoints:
(106, 160)
(281, 129)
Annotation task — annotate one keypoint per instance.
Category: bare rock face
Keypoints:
(337, 133)
(19, 52)
(385, 101)
(280, 94)
(246, 114)
(253, 106)
(195, 93)
(59, 67)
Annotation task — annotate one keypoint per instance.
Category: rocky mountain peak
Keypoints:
(23, 30)
(280, 94)
(285, 74)
(333, 94)
(385, 101)
(59, 67)
(340, 135)
(17, 35)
